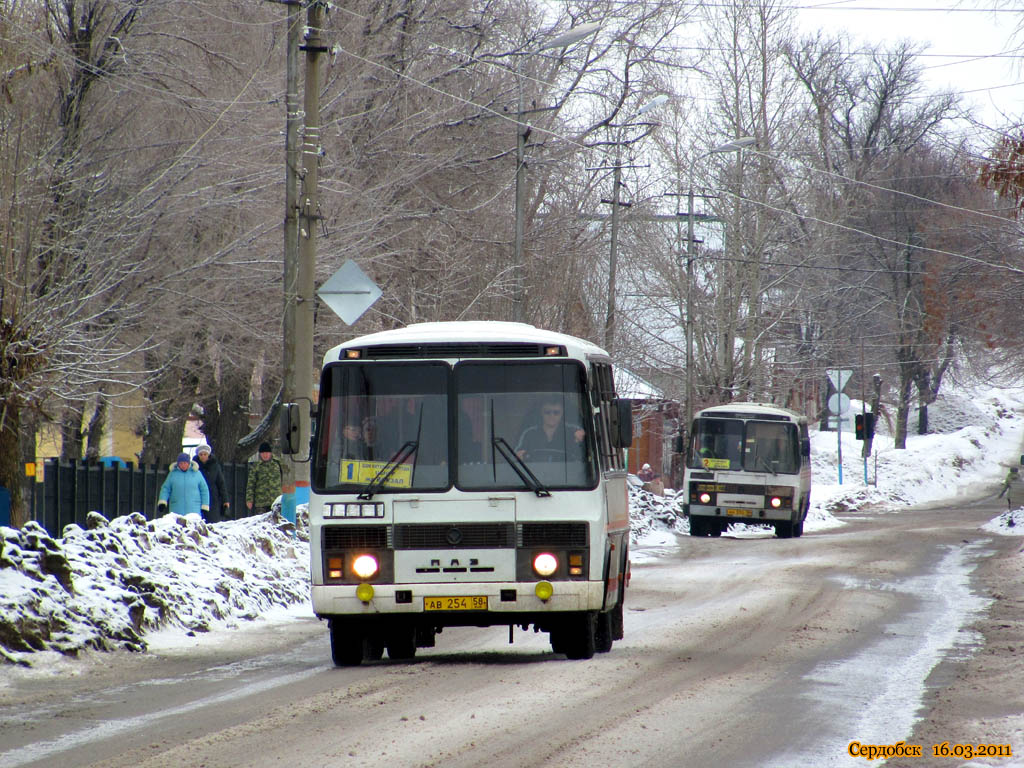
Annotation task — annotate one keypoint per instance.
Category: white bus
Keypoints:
(748, 463)
(468, 474)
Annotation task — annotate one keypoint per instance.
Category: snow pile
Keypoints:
(104, 588)
(1010, 523)
(651, 516)
(982, 436)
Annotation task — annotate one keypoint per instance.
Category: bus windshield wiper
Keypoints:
(766, 464)
(529, 479)
(388, 470)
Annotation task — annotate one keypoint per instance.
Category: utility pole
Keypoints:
(609, 321)
(522, 132)
(291, 230)
(301, 220)
(309, 220)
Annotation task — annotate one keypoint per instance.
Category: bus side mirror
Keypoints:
(622, 423)
(805, 447)
(290, 428)
(678, 445)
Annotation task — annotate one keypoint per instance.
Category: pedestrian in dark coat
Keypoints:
(214, 476)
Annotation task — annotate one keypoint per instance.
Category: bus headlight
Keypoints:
(705, 498)
(545, 564)
(365, 566)
(776, 502)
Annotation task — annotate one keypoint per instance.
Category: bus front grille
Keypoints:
(567, 535)
(355, 536)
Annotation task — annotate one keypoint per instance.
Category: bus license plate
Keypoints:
(460, 603)
(739, 513)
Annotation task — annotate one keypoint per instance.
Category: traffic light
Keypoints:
(864, 426)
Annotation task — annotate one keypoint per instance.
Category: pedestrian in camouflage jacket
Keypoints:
(266, 476)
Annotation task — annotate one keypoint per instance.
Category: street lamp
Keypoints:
(522, 131)
(730, 146)
(609, 321)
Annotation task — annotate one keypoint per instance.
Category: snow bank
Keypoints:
(105, 587)
(979, 436)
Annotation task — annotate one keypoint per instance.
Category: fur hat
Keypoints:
(204, 448)
(265, 448)
(183, 457)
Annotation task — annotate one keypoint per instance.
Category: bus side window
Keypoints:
(602, 387)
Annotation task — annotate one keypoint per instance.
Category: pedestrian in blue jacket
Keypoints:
(184, 490)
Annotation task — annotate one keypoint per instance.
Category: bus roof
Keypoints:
(468, 332)
(750, 411)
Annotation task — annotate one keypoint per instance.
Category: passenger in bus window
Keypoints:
(352, 445)
(470, 430)
(552, 439)
(371, 445)
(707, 447)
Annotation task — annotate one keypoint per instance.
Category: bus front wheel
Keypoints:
(401, 642)
(348, 645)
(604, 634)
(576, 637)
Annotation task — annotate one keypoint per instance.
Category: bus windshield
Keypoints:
(516, 425)
(373, 414)
(525, 416)
(753, 446)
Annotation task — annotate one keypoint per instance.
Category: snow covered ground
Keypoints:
(130, 583)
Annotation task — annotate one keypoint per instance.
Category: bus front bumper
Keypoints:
(751, 515)
(503, 600)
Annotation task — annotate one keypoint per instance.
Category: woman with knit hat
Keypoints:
(184, 491)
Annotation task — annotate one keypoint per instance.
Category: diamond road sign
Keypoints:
(349, 292)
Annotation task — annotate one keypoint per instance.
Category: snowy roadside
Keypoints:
(113, 585)
(132, 583)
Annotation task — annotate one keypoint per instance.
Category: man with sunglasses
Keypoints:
(552, 439)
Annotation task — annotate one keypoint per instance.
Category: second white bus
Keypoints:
(748, 463)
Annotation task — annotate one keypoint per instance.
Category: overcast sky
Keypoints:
(972, 46)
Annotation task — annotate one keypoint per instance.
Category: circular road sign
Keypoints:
(839, 403)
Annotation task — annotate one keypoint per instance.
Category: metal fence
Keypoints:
(70, 490)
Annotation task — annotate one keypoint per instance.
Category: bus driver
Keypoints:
(552, 439)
